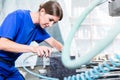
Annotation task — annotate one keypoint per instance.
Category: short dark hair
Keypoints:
(52, 8)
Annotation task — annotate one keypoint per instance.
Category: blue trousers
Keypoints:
(9, 72)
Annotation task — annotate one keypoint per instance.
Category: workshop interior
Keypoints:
(89, 32)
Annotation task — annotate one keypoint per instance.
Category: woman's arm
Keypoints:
(10, 46)
(54, 43)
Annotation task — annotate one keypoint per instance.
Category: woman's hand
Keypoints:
(42, 51)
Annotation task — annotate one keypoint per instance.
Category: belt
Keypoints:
(5, 61)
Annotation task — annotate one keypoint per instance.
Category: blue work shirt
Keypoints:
(18, 27)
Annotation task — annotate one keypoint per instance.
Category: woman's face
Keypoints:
(47, 20)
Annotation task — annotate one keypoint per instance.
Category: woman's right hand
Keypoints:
(42, 51)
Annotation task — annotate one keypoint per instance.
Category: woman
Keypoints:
(19, 29)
